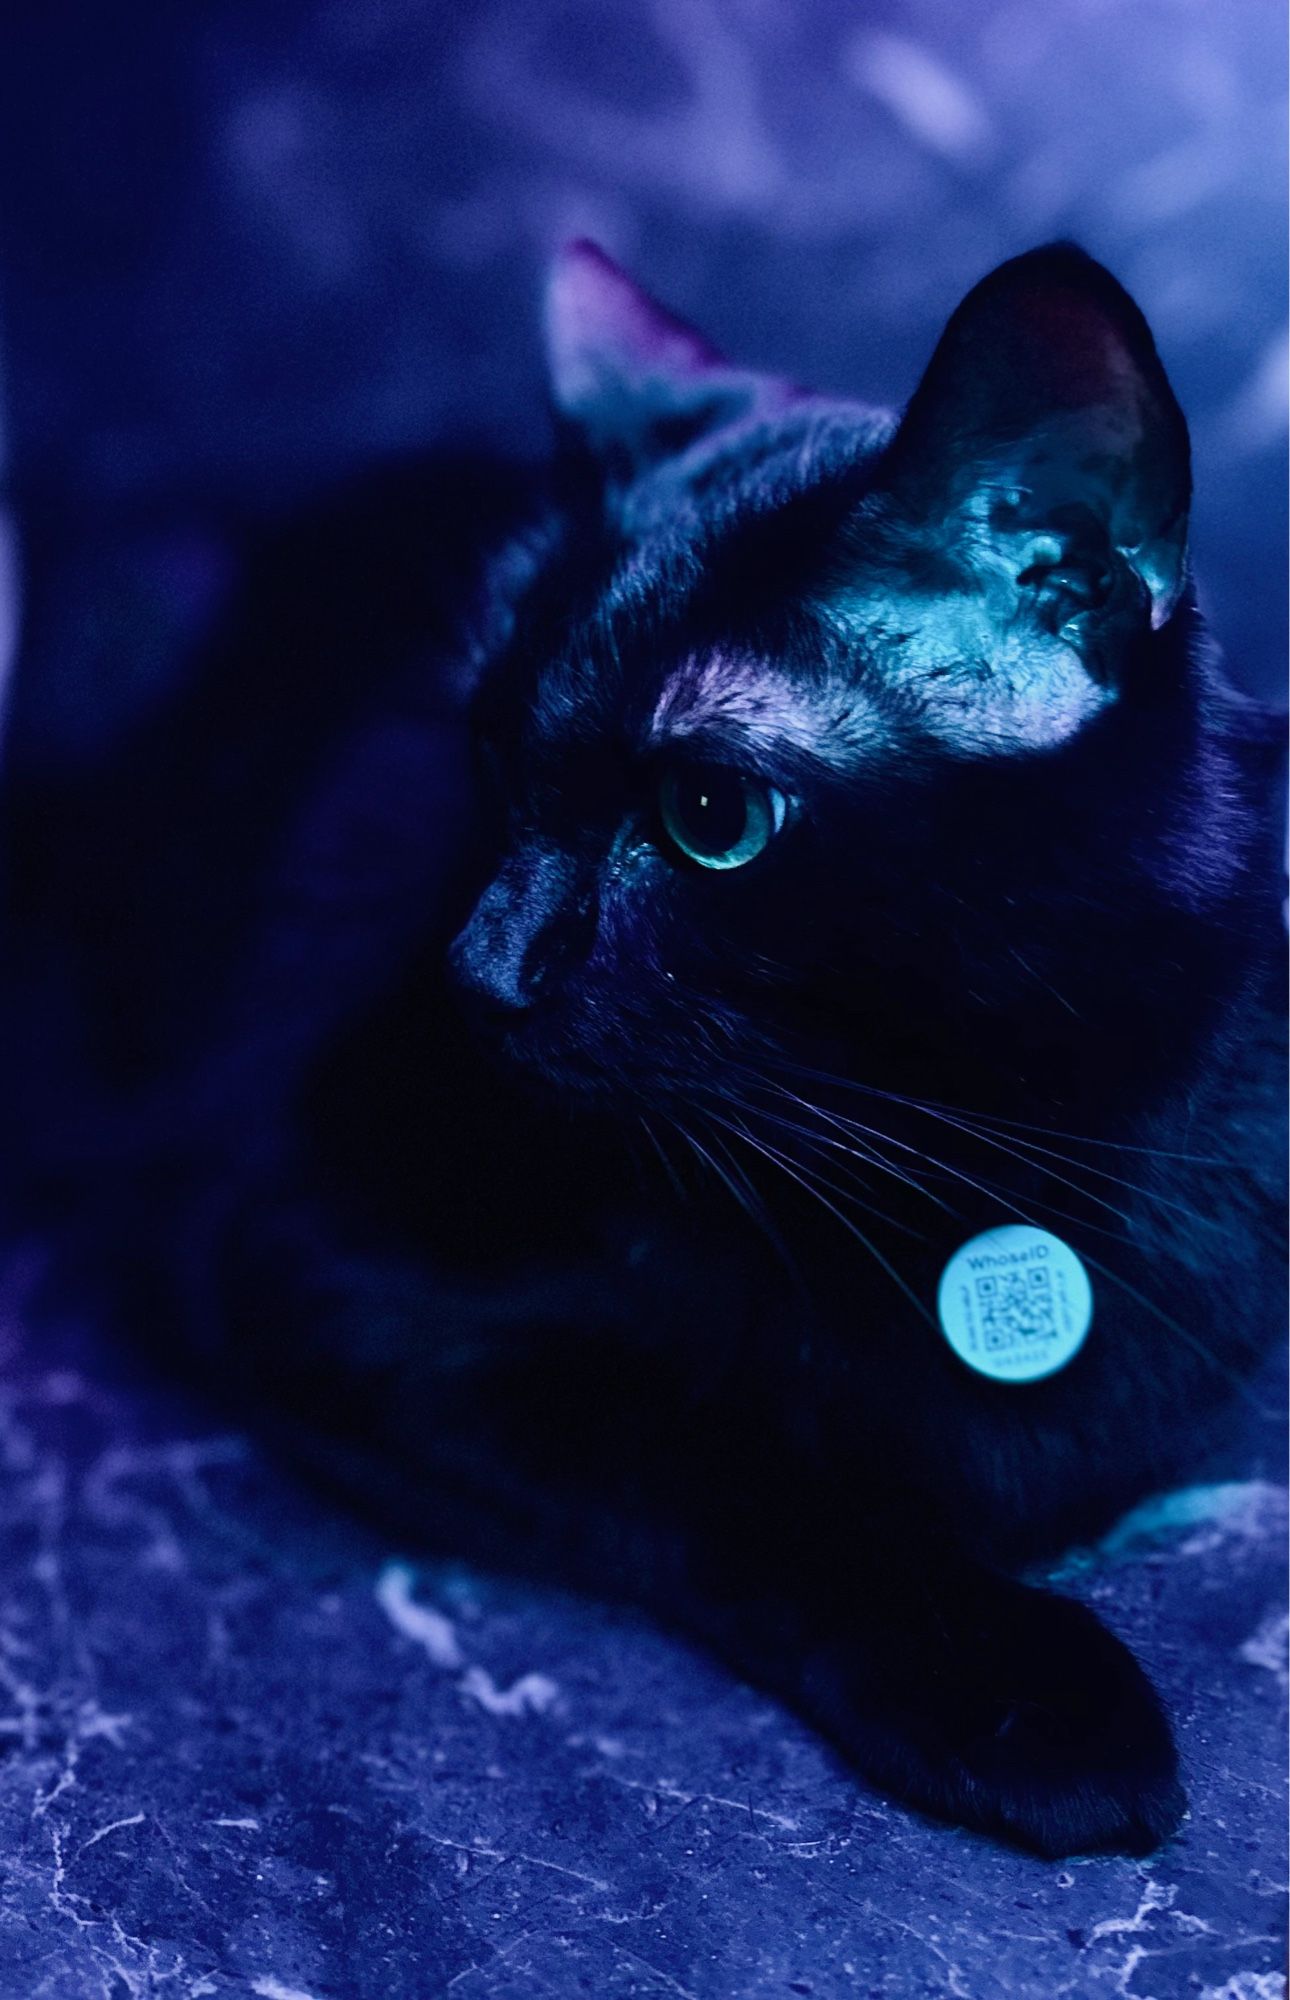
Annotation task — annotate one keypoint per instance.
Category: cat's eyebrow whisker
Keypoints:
(785, 1167)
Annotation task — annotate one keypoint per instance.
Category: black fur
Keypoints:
(1010, 956)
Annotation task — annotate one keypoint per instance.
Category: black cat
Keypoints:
(565, 1136)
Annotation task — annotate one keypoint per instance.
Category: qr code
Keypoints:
(1015, 1307)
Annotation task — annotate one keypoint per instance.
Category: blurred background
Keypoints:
(250, 244)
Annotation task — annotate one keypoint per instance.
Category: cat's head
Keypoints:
(867, 745)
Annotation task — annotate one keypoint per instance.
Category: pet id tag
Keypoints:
(1015, 1303)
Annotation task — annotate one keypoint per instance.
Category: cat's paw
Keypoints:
(1031, 1722)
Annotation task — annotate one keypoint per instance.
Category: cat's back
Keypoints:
(302, 758)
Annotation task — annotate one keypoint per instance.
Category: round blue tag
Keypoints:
(1015, 1303)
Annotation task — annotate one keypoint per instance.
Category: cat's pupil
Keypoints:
(712, 806)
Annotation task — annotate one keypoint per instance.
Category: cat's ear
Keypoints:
(636, 384)
(1046, 437)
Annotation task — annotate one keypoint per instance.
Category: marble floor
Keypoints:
(249, 1750)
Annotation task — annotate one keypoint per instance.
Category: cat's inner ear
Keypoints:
(635, 383)
(1045, 444)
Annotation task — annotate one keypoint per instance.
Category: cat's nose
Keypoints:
(488, 972)
(527, 929)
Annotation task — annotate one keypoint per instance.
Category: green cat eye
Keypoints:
(719, 816)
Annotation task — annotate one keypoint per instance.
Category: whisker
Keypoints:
(853, 1125)
(993, 1191)
(818, 1145)
(702, 1153)
(1045, 983)
(762, 1213)
(1010, 1151)
(1183, 1208)
(818, 1141)
(846, 1222)
(749, 1202)
(850, 1125)
(1010, 1147)
(971, 1125)
(993, 1118)
(677, 1183)
(1198, 1347)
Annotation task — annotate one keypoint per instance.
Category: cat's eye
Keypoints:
(718, 816)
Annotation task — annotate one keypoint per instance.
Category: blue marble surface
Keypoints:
(252, 1751)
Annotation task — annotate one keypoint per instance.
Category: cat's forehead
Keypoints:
(754, 466)
(762, 600)
(730, 699)
(766, 697)
(681, 631)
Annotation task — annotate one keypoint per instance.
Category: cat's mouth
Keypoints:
(551, 1055)
(538, 1049)
(550, 1065)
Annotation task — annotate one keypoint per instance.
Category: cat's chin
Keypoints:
(536, 1050)
(554, 1072)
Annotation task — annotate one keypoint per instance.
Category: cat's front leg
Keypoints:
(994, 1704)
(530, 1419)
